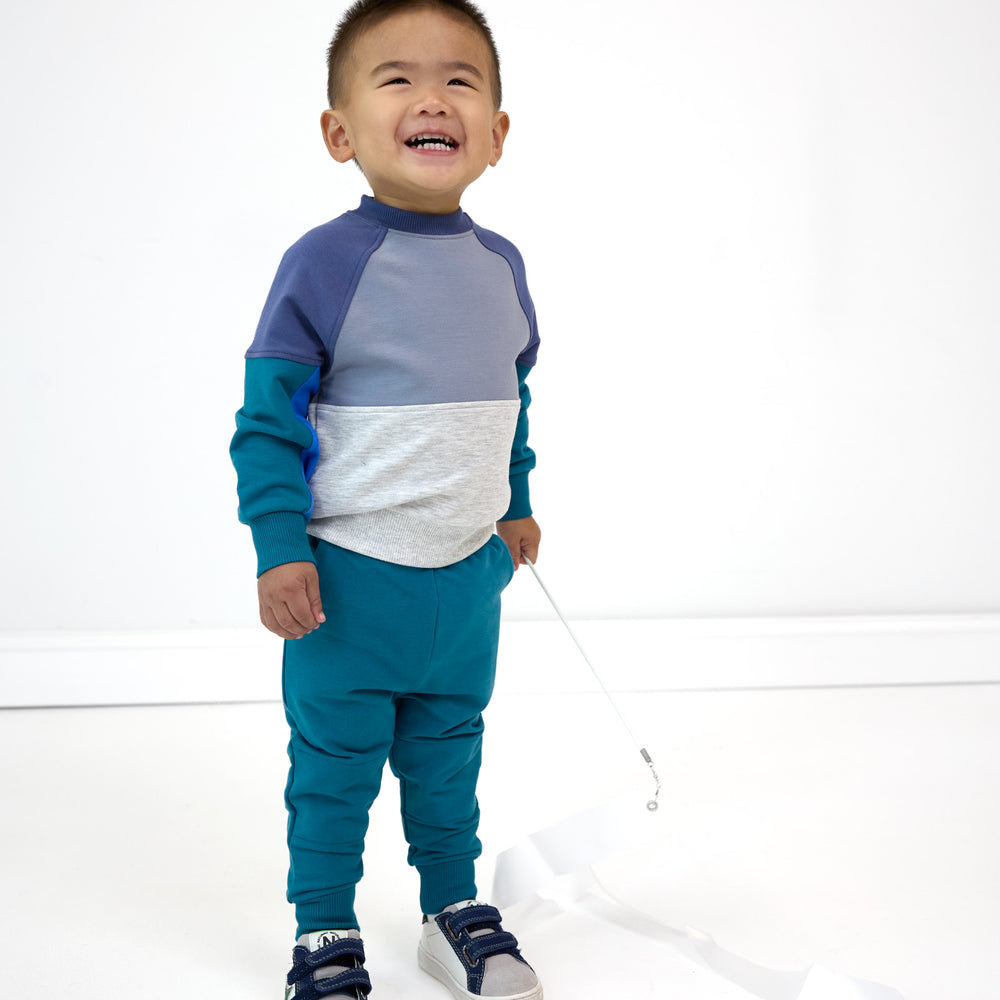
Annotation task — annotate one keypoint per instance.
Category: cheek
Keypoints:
(375, 126)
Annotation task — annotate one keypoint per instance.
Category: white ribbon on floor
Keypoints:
(546, 884)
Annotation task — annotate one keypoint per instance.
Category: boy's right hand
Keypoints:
(290, 604)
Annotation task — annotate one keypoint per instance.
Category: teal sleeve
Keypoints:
(275, 452)
(522, 458)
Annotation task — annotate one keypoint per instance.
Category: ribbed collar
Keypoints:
(413, 222)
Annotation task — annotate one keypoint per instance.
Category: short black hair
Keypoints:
(365, 14)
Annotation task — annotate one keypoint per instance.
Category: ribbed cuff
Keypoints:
(520, 501)
(328, 913)
(280, 538)
(442, 885)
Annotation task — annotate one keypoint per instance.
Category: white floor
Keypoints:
(142, 850)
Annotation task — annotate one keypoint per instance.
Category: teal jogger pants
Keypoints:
(401, 670)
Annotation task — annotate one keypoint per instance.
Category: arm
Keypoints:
(274, 451)
(275, 448)
(517, 527)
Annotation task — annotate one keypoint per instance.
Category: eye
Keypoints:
(394, 82)
(458, 82)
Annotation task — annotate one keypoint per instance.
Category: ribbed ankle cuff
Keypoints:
(327, 913)
(442, 885)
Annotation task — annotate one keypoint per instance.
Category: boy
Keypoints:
(383, 434)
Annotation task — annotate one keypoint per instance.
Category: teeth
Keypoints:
(431, 141)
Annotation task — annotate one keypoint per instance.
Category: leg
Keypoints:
(338, 694)
(438, 740)
(436, 756)
(334, 775)
(436, 753)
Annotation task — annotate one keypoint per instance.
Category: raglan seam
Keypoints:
(345, 306)
(529, 318)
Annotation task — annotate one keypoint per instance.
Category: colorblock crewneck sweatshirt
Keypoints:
(386, 401)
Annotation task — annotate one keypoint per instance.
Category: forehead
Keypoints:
(421, 36)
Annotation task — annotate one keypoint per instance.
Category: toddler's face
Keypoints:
(418, 113)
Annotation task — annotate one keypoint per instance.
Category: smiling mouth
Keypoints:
(432, 140)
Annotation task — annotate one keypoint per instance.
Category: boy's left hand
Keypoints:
(522, 537)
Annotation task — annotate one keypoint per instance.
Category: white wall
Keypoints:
(762, 239)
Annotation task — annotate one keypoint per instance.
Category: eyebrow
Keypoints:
(406, 67)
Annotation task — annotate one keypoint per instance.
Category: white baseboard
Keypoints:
(123, 668)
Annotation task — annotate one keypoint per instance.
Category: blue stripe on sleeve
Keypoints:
(309, 455)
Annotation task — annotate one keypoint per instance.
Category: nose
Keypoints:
(432, 101)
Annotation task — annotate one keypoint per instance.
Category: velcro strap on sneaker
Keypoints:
(332, 954)
(347, 952)
(346, 982)
(470, 916)
(483, 945)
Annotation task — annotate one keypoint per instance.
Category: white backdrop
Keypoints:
(762, 238)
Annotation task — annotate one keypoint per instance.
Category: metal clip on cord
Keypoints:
(653, 804)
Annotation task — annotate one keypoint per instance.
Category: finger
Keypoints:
(314, 598)
(271, 623)
(295, 615)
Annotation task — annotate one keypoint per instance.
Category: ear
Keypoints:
(335, 135)
(501, 126)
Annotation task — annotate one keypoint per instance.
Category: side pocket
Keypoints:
(506, 562)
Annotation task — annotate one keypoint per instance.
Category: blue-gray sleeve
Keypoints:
(312, 291)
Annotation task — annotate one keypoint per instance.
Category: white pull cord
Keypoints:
(653, 804)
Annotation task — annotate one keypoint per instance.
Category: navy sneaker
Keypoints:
(327, 965)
